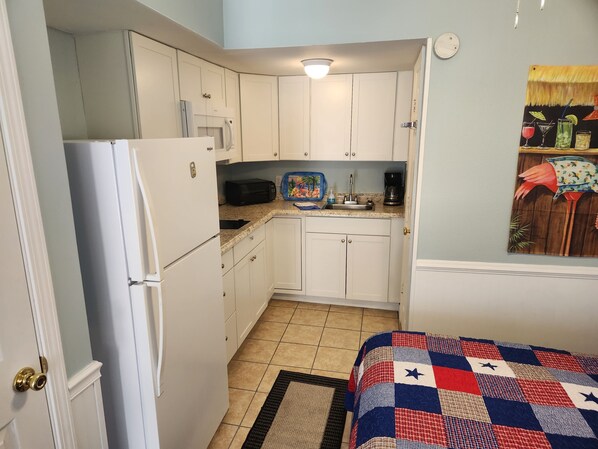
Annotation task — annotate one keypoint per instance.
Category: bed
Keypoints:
(421, 391)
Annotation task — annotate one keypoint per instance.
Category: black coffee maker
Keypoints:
(393, 189)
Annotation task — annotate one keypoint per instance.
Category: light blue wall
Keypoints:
(475, 103)
(204, 17)
(30, 41)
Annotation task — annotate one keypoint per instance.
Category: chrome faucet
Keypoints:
(351, 196)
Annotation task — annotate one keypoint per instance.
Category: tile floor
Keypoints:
(295, 336)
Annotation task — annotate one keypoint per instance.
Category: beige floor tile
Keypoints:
(348, 321)
(238, 401)
(260, 351)
(268, 330)
(309, 317)
(240, 437)
(272, 373)
(365, 336)
(299, 333)
(347, 431)
(380, 312)
(340, 338)
(278, 314)
(254, 409)
(223, 437)
(283, 303)
(332, 359)
(291, 354)
(245, 375)
(379, 324)
(333, 374)
(346, 309)
(313, 306)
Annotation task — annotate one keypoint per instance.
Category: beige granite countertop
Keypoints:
(259, 214)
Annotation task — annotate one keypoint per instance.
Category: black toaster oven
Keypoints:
(249, 191)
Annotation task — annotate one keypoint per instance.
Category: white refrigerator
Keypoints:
(146, 219)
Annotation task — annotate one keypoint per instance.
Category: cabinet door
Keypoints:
(259, 290)
(293, 107)
(270, 257)
(213, 85)
(325, 260)
(286, 242)
(259, 116)
(157, 86)
(233, 101)
(190, 69)
(245, 304)
(367, 267)
(373, 117)
(331, 118)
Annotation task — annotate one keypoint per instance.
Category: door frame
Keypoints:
(32, 239)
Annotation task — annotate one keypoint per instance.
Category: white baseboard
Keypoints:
(553, 306)
(337, 301)
(88, 409)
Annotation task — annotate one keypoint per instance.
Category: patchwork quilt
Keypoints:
(421, 391)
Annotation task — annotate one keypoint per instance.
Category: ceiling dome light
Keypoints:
(316, 68)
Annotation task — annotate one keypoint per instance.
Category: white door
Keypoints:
(418, 99)
(368, 259)
(178, 180)
(326, 256)
(24, 418)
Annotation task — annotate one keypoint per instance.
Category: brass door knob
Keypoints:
(406, 230)
(27, 378)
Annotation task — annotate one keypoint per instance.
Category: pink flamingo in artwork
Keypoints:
(570, 176)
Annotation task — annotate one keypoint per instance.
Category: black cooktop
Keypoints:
(232, 224)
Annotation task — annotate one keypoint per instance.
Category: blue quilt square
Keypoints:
(562, 421)
(571, 377)
(449, 361)
(379, 395)
(594, 376)
(591, 418)
(566, 442)
(379, 340)
(511, 413)
(519, 355)
(379, 422)
(417, 397)
(405, 354)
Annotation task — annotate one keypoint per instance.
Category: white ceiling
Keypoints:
(88, 16)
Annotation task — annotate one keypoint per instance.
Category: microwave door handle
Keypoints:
(147, 205)
(231, 137)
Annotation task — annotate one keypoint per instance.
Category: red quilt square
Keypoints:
(409, 340)
(415, 425)
(382, 372)
(456, 380)
(559, 361)
(517, 438)
(545, 392)
(480, 350)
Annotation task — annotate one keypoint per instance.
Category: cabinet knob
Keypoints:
(350, 241)
(226, 338)
(250, 237)
(206, 95)
(223, 266)
(352, 154)
(223, 294)
(347, 154)
(275, 154)
(306, 154)
(343, 241)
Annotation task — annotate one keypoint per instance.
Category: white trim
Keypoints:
(84, 379)
(29, 220)
(336, 301)
(508, 269)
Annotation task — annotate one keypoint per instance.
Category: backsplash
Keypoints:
(368, 176)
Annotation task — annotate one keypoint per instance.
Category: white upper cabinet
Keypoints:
(259, 113)
(331, 118)
(373, 118)
(202, 83)
(293, 107)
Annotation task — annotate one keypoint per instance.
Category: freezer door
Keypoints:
(176, 184)
(188, 351)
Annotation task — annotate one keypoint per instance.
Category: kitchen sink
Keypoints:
(349, 206)
(232, 224)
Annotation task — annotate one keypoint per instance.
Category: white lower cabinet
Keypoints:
(250, 290)
(347, 258)
(230, 304)
(285, 243)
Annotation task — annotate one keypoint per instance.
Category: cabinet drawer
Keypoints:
(228, 292)
(334, 225)
(230, 330)
(227, 261)
(243, 248)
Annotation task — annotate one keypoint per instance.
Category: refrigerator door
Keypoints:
(175, 198)
(191, 367)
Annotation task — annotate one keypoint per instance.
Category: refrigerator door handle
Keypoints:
(147, 205)
(160, 361)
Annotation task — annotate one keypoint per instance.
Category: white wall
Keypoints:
(30, 41)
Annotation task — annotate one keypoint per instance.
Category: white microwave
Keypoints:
(220, 126)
